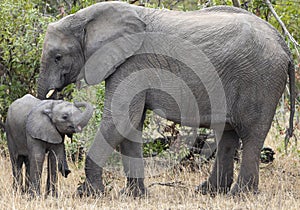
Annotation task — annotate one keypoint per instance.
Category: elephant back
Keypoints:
(16, 118)
(19, 110)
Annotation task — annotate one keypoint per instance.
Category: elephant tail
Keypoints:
(291, 73)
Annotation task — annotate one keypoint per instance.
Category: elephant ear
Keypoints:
(40, 126)
(113, 33)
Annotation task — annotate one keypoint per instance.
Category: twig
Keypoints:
(207, 4)
(159, 3)
(169, 184)
(286, 32)
(133, 1)
(174, 4)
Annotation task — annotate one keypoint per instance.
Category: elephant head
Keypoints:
(50, 120)
(89, 44)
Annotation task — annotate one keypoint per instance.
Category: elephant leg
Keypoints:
(132, 158)
(27, 174)
(65, 171)
(17, 163)
(132, 154)
(116, 126)
(106, 140)
(48, 182)
(52, 174)
(248, 177)
(221, 177)
(36, 160)
(131, 149)
(56, 160)
(253, 131)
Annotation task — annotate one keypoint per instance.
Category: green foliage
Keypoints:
(186, 5)
(288, 11)
(290, 14)
(221, 2)
(22, 29)
(82, 141)
(61, 8)
(82, 4)
(153, 148)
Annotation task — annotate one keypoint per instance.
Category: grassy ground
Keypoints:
(279, 188)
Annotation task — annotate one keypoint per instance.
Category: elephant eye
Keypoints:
(65, 117)
(58, 58)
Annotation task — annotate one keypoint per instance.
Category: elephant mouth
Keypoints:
(70, 130)
(75, 129)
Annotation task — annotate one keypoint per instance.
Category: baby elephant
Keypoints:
(35, 127)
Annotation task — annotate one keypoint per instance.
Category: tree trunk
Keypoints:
(236, 3)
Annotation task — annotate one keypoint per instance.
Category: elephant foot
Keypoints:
(208, 188)
(135, 188)
(87, 189)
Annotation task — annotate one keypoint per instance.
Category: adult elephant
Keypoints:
(220, 67)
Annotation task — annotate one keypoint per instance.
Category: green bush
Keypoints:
(82, 141)
(22, 29)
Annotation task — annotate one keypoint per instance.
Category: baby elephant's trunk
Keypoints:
(85, 116)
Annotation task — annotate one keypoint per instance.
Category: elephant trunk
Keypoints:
(43, 86)
(42, 89)
(47, 83)
(86, 115)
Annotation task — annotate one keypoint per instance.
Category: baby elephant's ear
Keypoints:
(40, 126)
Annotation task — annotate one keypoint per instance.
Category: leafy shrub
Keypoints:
(82, 141)
(22, 30)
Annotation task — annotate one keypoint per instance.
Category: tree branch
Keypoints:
(236, 3)
(132, 1)
(286, 32)
(208, 3)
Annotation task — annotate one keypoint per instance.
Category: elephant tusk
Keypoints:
(50, 93)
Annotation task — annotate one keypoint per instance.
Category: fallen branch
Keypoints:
(178, 184)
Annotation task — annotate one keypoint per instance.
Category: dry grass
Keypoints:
(279, 189)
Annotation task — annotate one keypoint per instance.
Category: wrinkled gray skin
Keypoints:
(35, 127)
(250, 57)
